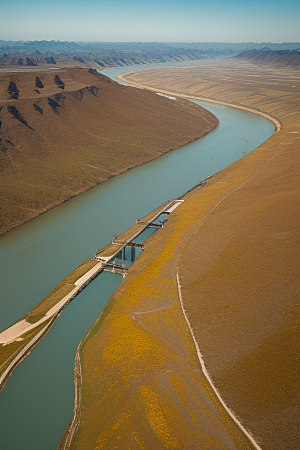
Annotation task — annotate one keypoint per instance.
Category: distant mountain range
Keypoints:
(112, 54)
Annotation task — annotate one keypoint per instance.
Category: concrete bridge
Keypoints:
(117, 248)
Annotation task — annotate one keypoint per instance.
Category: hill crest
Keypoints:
(282, 58)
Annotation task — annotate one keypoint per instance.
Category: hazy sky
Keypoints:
(151, 20)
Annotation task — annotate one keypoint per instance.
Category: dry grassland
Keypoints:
(235, 245)
(63, 132)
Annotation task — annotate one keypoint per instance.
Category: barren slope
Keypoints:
(66, 131)
(278, 58)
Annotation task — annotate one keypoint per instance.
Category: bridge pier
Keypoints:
(132, 254)
(155, 225)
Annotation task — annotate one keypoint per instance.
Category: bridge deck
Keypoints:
(111, 250)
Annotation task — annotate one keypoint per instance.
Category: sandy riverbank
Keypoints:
(126, 77)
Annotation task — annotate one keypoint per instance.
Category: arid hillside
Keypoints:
(229, 255)
(278, 58)
(63, 132)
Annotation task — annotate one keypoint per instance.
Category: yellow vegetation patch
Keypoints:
(156, 417)
(132, 344)
(103, 440)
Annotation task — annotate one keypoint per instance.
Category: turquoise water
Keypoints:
(38, 398)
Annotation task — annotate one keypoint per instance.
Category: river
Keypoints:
(37, 401)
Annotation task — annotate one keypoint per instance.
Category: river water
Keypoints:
(37, 402)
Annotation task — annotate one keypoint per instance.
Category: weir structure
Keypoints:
(117, 249)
